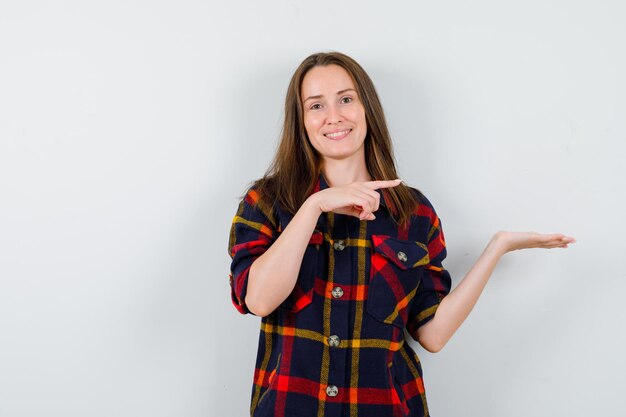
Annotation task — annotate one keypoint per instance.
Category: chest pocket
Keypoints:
(302, 294)
(396, 268)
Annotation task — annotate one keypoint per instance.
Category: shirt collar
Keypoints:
(322, 184)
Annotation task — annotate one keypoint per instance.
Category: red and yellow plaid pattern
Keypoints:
(336, 345)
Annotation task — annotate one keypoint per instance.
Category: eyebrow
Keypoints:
(320, 95)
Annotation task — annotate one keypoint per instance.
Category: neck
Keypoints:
(344, 172)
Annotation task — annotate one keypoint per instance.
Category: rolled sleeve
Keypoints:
(251, 234)
(435, 280)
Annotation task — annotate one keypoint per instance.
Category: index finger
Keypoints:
(374, 185)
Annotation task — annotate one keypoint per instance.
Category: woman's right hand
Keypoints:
(358, 199)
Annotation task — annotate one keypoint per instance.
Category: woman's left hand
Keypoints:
(510, 241)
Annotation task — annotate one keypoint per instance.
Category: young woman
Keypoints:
(339, 257)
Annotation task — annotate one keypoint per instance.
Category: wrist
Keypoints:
(311, 205)
(498, 244)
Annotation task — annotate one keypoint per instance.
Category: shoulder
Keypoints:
(424, 206)
(255, 204)
(424, 225)
(424, 218)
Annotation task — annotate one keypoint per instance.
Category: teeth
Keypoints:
(336, 134)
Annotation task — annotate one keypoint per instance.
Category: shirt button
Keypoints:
(339, 245)
(337, 292)
(332, 390)
(333, 341)
(402, 256)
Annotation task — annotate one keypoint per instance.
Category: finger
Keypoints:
(554, 240)
(372, 196)
(368, 216)
(374, 185)
(564, 240)
(365, 201)
(561, 237)
(557, 244)
(352, 210)
(552, 237)
(365, 214)
(358, 211)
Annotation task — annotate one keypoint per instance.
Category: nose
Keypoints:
(334, 114)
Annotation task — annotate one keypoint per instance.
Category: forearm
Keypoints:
(273, 275)
(456, 306)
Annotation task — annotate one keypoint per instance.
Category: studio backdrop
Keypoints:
(129, 131)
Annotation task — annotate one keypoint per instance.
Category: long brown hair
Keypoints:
(293, 173)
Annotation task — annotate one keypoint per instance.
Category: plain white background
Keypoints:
(128, 129)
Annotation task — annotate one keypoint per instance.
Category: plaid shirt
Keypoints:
(336, 346)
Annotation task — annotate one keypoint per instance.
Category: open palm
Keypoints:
(511, 241)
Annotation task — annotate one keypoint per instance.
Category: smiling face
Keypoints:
(334, 117)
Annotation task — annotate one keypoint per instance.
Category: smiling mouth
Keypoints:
(338, 135)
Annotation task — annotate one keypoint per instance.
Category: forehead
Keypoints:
(325, 80)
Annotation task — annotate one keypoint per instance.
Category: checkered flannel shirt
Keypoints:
(336, 346)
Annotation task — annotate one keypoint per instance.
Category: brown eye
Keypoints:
(346, 100)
